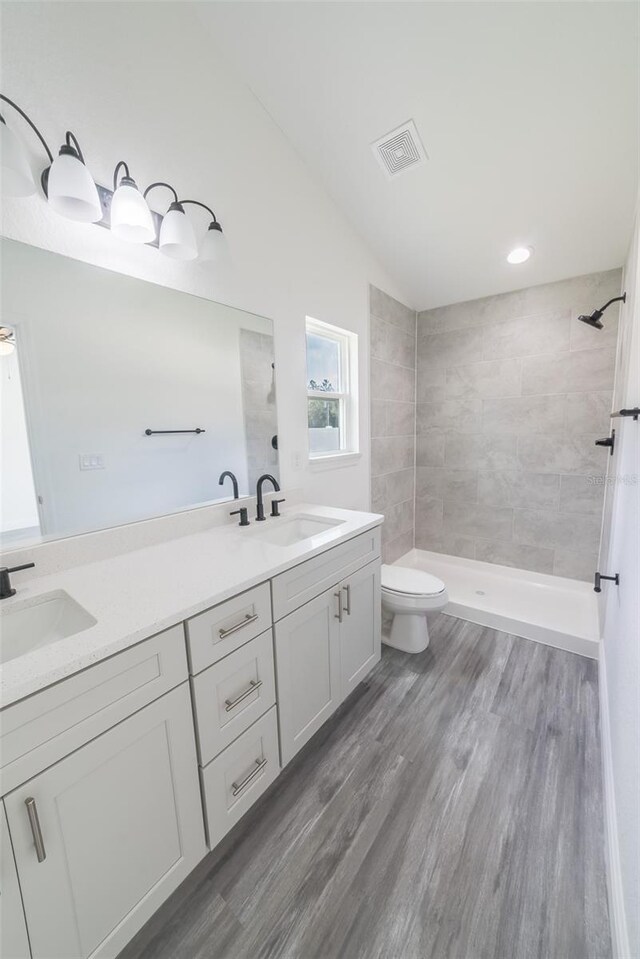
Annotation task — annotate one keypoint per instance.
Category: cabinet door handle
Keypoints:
(238, 787)
(223, 633)
(347, 607)
(36, 831)
(338, 596)
(230, 704)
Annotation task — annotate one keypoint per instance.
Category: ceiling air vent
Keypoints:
(400, 150)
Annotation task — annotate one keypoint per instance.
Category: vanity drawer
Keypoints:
(234, 780)
(230, 695)
(218, 631)
(43, 728)
(297, 586)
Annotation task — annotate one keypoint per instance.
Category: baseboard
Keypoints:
(617, 914)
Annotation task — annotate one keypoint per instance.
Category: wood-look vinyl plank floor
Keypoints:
(451, 809)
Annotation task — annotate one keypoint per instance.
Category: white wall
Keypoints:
(105, 357)
(18, 508)
(620, 656)
(140, 82)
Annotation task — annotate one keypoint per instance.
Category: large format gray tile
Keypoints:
(575, 565)
(535, 558)
(386, 308)
(486, 378)
(528, 335)
(459, 414)
(398, 519)
(453, 544)
(578, 372)
(471, 519)
(554, 529)
(430, 381)
(391, 382)
(391, 453)
(559, 453)
(453, 485)
(397, 547)
(476, 451)
(450, 349)
(582, 494)
(518, 488)
(523, 414)
(588, 412)
(430, 449)
(429, 517)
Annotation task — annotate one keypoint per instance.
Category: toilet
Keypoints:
(409, 594)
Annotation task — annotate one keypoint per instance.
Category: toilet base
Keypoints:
(409, 632)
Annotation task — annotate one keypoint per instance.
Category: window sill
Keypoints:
(333, 461)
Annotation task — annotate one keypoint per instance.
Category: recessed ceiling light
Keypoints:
(520, 255)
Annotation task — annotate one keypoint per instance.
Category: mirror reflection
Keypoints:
(123, 400)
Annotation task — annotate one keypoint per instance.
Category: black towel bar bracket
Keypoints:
(164, 432)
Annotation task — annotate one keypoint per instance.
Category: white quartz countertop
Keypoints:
(139, 593)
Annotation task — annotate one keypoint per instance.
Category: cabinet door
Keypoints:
(307, 670)
(360, 628)
(121, 826)
(14, 943)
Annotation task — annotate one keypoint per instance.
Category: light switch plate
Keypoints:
(91, 461)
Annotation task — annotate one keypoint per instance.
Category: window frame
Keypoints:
(347, 395)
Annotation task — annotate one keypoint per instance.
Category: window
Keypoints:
(332, 390)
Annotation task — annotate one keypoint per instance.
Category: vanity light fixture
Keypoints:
(69, 186)
(131, 218)
(177, 238)
(72, 192)
(519, 255)
(17, 176)
(213, 243)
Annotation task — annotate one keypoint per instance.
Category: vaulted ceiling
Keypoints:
(528, 113)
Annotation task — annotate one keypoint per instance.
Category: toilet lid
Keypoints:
(413, 582)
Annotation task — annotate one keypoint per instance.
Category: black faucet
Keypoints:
(276, 486)
(6, 589)
(233, 480)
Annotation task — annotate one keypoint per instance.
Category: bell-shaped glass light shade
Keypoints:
(71, 189)
(177, 238)
(130, 216)
(214, 245)
(17, 177)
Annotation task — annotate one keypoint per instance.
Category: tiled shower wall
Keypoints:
(393, 419)
(512, 392)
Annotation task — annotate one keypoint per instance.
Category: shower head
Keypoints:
(594, 318)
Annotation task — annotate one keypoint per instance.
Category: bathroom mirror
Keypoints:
(123, 400)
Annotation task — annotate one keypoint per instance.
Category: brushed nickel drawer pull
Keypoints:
(223, 633)
(347, 607)
(238, 787)
(338, 615)
(232, 703)
(36, 831)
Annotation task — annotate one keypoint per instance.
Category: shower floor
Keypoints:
(547, 609)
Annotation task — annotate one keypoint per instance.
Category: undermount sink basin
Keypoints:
(40, 621)
(289, 531)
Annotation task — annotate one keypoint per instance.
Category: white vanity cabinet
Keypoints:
(111, 776)
(102, 800)
(326, 646)
(108, 832)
